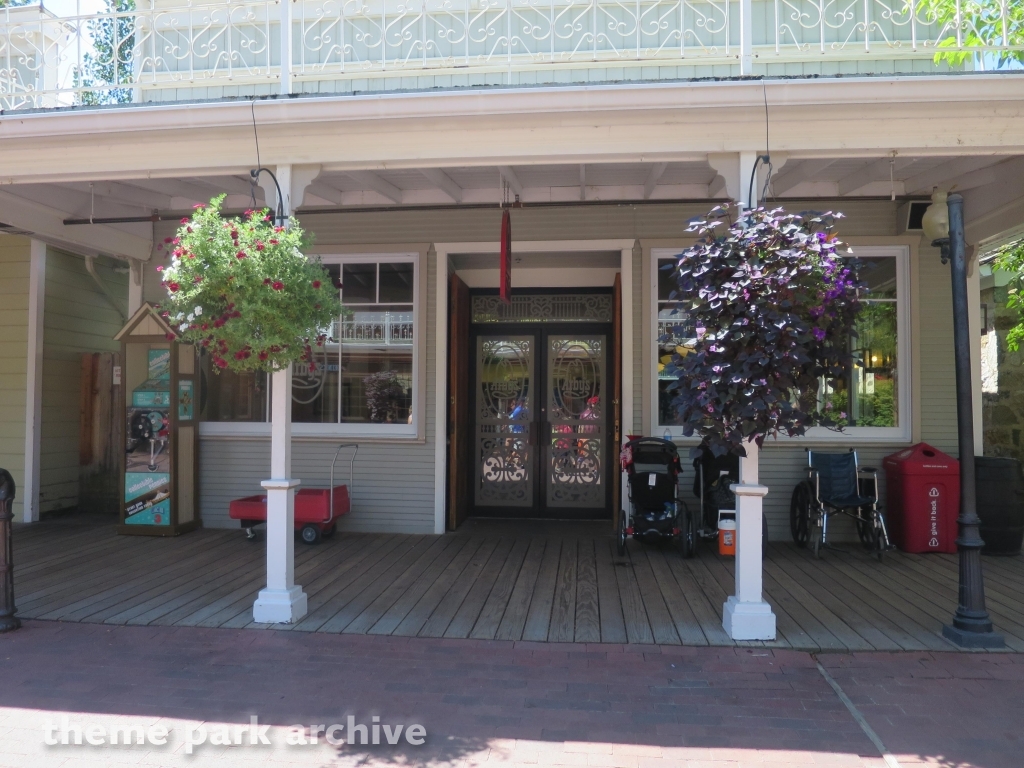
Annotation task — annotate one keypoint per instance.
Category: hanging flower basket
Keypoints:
(766, 308)
(243, 291)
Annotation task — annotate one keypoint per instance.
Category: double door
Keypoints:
(540, 416)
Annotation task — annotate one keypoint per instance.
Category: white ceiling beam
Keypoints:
(227, 184)
(511, 179)
(47, 223)
(123, 194)
(995, 173)
(798, 173)
(174, 188)
(877, 170)
(325, 191)
(946, 172)
(583, 181)
(444, 182)
(657, 171)
(375, 183)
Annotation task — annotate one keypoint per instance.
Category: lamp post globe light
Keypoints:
(943, 225)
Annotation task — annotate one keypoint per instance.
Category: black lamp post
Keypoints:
(971, 626)
(8, 620)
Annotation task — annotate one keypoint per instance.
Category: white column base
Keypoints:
(279, 606)
(748, 621)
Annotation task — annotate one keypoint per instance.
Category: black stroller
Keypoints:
(714, 475)
(656, 513)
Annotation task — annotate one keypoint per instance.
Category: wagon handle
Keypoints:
(351, 470)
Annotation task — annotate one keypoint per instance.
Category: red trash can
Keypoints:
(922, 490)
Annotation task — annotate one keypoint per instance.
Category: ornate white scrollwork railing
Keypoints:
(167, 50)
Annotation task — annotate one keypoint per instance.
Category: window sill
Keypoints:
(261, 431)
(819, 436)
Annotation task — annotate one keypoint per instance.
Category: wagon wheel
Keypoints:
(800, 514)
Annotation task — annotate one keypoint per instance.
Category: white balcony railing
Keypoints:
(175, 49)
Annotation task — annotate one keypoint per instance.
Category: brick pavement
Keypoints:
(498, 703)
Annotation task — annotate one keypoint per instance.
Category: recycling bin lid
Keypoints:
(922, 459)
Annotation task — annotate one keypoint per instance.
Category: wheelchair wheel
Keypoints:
(620, 538)
(878, 536)
(866, 528)
(800, 514)
(817, 529)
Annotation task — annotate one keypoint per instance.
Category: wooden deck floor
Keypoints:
(509, 581)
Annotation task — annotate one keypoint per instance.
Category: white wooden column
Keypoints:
(283, 601)
(29, 491)
(745, 615)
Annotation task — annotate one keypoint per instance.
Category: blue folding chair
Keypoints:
(836, 484)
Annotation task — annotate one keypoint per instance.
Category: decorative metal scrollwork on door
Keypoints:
(575, 432)
(504, 475)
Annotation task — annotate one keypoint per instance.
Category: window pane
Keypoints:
(376, 385)
(229, 396)
(359, 283)
(874, 384)
(396, 281)
(315, 390)
(879, 273)
(666, 282)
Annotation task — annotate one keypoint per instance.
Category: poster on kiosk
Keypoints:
(160, 430)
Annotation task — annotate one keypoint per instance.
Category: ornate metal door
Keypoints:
(505, 410)
(575, 392)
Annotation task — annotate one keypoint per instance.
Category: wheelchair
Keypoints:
(837, 484)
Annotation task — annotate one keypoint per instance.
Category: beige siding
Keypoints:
(14, 279)
(395, 481)
(77, 318)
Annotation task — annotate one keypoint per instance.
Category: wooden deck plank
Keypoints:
(414, 621)
(380, 604)
(246, 583)
(400, 608)
(563, 611)
(538, 620)
(468, 613)
(638, 628)
(446, 610)
(373, 578)
(514, 619)
(588, 612)
(328, 581)
(686, 624)
(707, 614)
(898, 608)
(309, 563)
(662, 627)
(613, 624)
(486, 626)
(863, 633)
(397, 567)
(1008, 598)
(100, 604)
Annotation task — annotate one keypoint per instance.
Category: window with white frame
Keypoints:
(364, 380)
(872, 403)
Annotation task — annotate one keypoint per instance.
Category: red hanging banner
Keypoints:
(506, 257)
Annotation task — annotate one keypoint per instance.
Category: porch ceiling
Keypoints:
(993, 186)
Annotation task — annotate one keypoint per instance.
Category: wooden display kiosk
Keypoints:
(159, 473)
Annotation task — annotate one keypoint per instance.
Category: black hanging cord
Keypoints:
(254, 174)
(762, 159)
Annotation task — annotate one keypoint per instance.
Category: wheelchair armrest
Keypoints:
(871, 471)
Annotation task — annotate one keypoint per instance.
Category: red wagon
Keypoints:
(316, 509)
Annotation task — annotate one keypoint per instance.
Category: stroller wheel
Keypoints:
(620, 540)
(310, 534)
(689, 532)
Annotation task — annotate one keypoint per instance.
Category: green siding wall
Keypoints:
(14, 271)
(77, 318)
